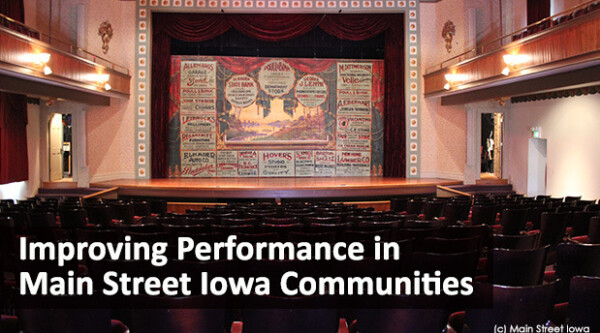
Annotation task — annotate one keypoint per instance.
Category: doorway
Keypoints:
(60, 148)
(492, 142)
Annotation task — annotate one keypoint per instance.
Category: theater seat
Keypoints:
(517, 267)
(584, 302)
(511, 306)
(175, 314)
(290, 315)
(399, 320)
(9, 324)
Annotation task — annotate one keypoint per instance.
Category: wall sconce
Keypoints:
(512, 61)
(39, 60)
(454, 78)
(100, 79)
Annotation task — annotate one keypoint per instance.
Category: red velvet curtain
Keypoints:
(280, 27)
(13, 119)
(537, 10)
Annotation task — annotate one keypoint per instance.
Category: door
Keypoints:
(537, 158)
(56, 143)
(492, 129)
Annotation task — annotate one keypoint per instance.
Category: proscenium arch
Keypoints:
(145, 8)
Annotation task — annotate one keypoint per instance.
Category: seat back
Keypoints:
(69, 319)
(100, 214)
(517, 267)
(515, 242)
(594, 230)
(433, 208)
(142, 208)
(299, 236)
(552, 228)
(455, 231)
(584, 301)
(290, 320)
(462, 264)
(73, 217)
(581, 222)
(530, 305)
(415, 206)
(123, 211)
(576, 259)
(176, 314)
(400, 320)
(449, 245)
(456, 211)
(290, 315)
(513, 220)
(483, 214)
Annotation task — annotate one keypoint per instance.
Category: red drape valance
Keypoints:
(273, 28)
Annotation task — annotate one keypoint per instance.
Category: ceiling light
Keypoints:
(456, 77)
(100, 78)
(453, 78)
(47, 70)
(43, 57)
(515, 59)
(37, 59)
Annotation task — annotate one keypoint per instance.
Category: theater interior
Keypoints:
(293, 166)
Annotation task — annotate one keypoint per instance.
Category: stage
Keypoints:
(206, 189)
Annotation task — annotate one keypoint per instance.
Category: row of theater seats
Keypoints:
(547, 23)
(509, 261)
(512, 306)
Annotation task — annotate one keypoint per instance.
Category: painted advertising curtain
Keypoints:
(269, 27)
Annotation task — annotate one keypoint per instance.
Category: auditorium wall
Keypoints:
(557, 6)
(435, 134)
(443, 137)
(110, 130)
(571, 127)
(110, 134)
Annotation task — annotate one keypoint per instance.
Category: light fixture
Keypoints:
(100, 79)
(512, 61)
(453, 78)
(43, 58)
(39, 60)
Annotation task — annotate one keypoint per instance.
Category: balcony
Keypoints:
(559, 52)
(35, 64)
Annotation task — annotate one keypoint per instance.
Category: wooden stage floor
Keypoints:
(275, 188)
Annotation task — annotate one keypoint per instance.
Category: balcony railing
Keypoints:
(59, 44)
(530, 30)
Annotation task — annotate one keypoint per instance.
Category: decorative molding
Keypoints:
(105, 32)
(448, 32)
(103, 177)
(557, 94)
(444, 175)
(142, 73)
